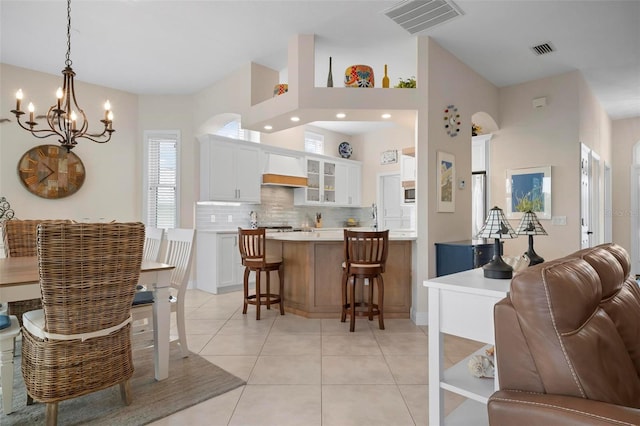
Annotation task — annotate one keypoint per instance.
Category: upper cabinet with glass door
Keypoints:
(330, 183)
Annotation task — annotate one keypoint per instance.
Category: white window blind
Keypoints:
(314, 142)
(161, 179)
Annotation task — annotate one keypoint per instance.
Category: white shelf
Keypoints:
(458, 379)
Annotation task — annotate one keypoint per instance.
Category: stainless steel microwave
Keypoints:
(409, 195)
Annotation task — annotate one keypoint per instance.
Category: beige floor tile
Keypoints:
(247, 326)
(264, 312)
(394, 325)
(345, 370)
(292, 344)
(417, 399)
(350, 344)
(403, 343)
(202, 413)
(236, 344)
(238, 365)
(211, 313)
(202, 326)
(346, 405)
(334, 326)
(197, 341)
(293, 324)
(409, 369)
(286, 370)
(278, 405)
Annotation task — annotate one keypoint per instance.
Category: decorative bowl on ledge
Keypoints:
(358, 76)
(279, 89)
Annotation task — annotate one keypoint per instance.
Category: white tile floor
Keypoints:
(309, 372)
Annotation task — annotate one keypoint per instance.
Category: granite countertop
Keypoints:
(333, 234)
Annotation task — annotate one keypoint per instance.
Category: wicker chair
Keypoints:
(19, 239)
(80, 341)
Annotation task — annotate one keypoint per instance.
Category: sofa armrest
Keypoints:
(512, 407)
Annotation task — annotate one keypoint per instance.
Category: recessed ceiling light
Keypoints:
(386, 115)
(295, 118)
(341, 115)
(268, 127)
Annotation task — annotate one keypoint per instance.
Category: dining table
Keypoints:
(19, 280)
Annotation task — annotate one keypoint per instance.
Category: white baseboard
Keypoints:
(419, 318)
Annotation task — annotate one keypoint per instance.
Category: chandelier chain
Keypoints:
(68, 60)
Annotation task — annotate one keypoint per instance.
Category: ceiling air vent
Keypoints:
(543, 49)
(417, 16)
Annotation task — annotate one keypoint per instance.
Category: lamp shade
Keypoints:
(530, 225)
(496, 226)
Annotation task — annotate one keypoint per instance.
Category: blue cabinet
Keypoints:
(458, 256)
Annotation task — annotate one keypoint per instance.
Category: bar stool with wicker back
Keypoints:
(365, 256)
(252, 245)
(19, 239)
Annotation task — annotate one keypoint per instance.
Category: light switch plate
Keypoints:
(559, 220)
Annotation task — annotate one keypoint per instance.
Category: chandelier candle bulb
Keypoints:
(19, 96)
(31, 111)
(107, 108)
(59, 96)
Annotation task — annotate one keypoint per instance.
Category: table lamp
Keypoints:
(530, 225)
(496, 226)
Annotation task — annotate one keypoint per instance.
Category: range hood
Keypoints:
(283, 170)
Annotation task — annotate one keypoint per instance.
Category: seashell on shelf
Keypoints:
(480, 366)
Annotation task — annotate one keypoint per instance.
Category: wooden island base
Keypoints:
(313, 274)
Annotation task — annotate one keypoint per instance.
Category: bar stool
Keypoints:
(252, 245)
(365, 256)
(8, 336)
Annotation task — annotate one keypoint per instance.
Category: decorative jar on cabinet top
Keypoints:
(279, 89)
(358, 76)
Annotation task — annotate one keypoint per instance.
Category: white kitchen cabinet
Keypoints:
(330, 183)
(219, 265)
(229, 170)
(348, 184)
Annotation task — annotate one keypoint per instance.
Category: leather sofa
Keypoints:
(568, 343)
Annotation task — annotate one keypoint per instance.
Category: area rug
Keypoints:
(191, 381)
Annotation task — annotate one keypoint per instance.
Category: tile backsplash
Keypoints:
(277, 209)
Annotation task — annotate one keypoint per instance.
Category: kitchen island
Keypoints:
(313, 272)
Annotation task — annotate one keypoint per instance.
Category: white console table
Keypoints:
(460, 304)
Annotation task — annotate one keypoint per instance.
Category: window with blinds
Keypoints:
(314, 142)
(161, 178)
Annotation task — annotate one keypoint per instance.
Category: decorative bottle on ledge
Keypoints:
(330, 77)
(385, 79)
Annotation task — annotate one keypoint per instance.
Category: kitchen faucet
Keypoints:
(374, 216)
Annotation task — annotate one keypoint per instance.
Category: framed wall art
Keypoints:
(389, 157)
(446, 177)
(529, 189)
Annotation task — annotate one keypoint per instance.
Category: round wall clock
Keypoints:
(452, 120)
(49, 171)
(345, 149)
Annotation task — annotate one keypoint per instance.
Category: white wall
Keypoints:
(112, 188)
(549, 136)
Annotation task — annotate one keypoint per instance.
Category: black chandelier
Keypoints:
(66, 119)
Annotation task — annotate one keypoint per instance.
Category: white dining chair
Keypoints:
(152, 243)
(179, 253)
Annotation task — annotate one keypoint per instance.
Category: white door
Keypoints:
(585, 198)
(391, 212)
